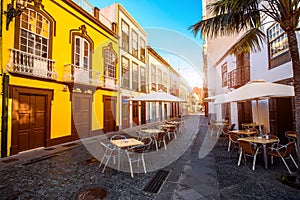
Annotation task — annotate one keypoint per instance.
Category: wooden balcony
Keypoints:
(24, 63)
(77, 75)
(238, 77)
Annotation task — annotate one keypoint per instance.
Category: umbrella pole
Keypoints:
(257, 110)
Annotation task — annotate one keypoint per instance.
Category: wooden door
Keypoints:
(143, 112)
(31, 122)
(135, 113)
(281, 117)
(244, 113)
(109, 113)
(30, 118)
(81, 115)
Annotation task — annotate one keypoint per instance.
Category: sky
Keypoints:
(166, 23)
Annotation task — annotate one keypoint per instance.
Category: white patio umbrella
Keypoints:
(259, 90)
(159, 96)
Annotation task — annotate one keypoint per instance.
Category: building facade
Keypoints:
(68, 69)
(60, 71)
(227, 72)
(132, 61)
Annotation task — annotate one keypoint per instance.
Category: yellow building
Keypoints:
(59, 71)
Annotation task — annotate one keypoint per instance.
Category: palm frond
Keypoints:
(230, 17)
(251, 40)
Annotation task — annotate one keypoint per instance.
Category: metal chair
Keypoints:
(172, 131)
(284, 152)
(136, 154)
(118, 137)
(291, 139)
(248, 149)
(109, 151)
(160, 138)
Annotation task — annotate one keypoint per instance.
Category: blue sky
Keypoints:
(176, 17)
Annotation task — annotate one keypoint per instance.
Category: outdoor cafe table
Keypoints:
(243, 132)
(263, 142)
(123, 143)
(167, 125)
(250, 125)
(173, 122)
(151, 131)
(292, 135)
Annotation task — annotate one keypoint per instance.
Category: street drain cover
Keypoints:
(156, 182)
(96, 193)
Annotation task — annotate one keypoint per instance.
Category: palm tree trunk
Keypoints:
(293, 47)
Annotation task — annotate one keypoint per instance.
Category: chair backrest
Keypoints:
(172, 128)
(232, 127)
(137, 149)
(233, 138)
(271, 136)
(160, 136)
(107, 147)
(118, 137)
(288, 149)
(246, 147)
(147, 142)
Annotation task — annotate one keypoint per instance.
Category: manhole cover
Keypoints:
(96, 193)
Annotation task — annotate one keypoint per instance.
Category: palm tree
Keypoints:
(233, 16)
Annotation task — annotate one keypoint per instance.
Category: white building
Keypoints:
(227, 72)
(132, 62)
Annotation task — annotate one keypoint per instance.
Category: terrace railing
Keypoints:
(31, 65)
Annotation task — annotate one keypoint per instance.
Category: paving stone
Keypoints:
(73, 169)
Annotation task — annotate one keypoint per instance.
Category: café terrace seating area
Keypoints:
(129, 148)
(251, 142)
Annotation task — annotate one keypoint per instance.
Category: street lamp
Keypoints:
(14, 12)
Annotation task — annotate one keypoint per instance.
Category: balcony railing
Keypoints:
(238, 77)
(31, 65)
(162, 87)
(76, 74)
(109, 83)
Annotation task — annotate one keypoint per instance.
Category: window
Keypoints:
(109, 62)
(165, 80)
(160, 79)
(125, 36)
(135, 76)
(153, 76)
(134, 44)
(34, 33)
(81, 52)
(224, 75)
(125, 72)
(278, 43)
(143, 79)
(142, 50)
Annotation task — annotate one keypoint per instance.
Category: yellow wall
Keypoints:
(66, 19)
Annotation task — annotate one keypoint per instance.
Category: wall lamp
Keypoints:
(14, 11)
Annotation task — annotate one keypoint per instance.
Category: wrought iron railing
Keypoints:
(76, 74)
(238, 77)
(31, 65)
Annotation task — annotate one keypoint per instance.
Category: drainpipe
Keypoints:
(5, 81)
